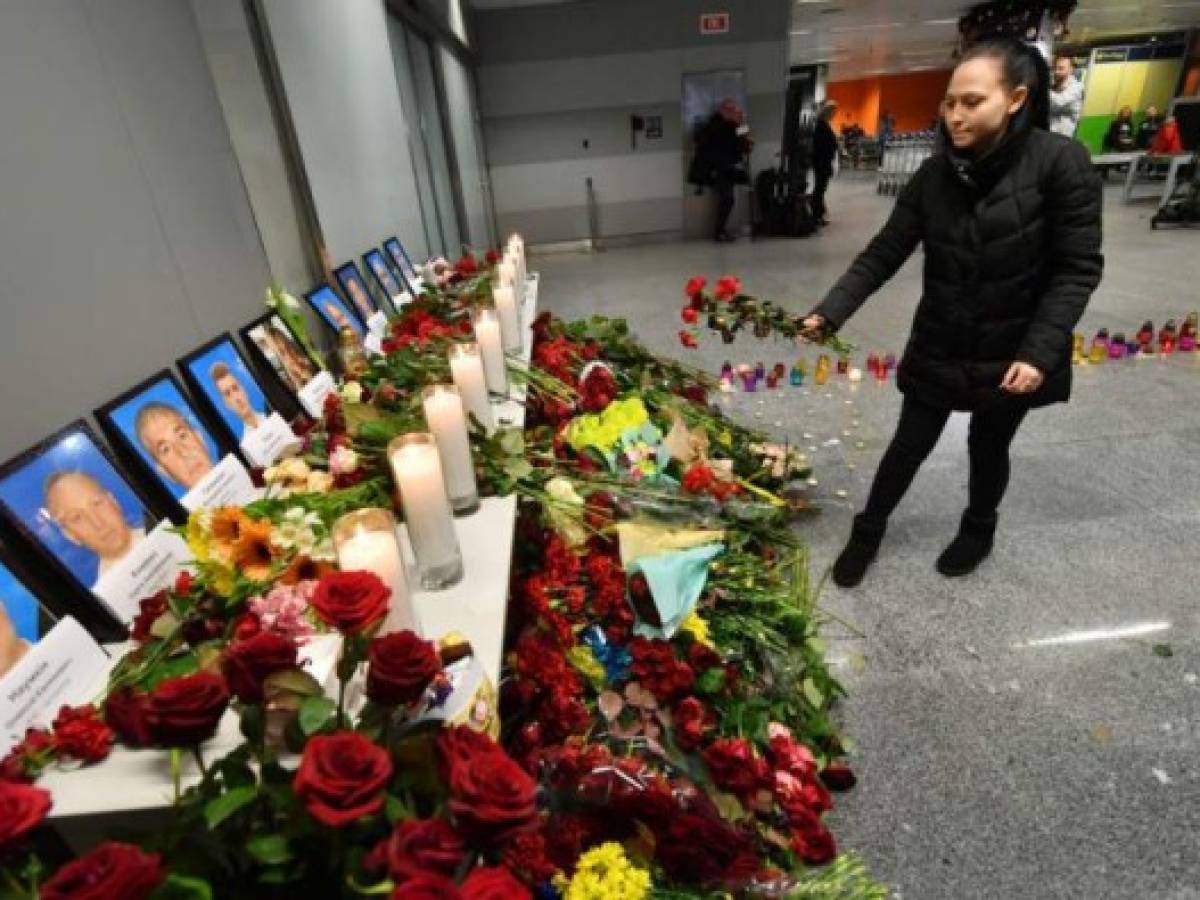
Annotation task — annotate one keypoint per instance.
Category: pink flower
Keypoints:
(283, 609)
(343, 461)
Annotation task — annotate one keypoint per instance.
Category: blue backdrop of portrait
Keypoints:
(378, 265)
(324, 297)
(24, 493)
(163, 391)
(400, 258)
(225, 353)
(22, 607)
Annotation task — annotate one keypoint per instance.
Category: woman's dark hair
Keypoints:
(1023, 66)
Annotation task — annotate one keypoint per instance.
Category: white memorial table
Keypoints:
(135, 787)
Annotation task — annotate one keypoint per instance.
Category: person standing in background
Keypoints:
(825, 148)
(721, 149)
(1066, 97)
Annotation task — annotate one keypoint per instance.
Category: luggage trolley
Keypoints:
(902, 156)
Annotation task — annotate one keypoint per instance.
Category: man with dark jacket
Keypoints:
(721, 148)
(825, 148)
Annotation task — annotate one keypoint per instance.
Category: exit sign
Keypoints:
(714, 23)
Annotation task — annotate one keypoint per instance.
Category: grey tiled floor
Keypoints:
(992, 765)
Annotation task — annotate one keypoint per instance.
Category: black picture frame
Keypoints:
(134, 458)
(222, 342)
(14, 568)
(383, 288)
(284, 389)
(60, 589)
(403, 265)
(321, 298)
(363, 303)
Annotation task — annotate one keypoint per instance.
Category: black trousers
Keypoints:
(723, 187)
(990, 435)
(820, 185)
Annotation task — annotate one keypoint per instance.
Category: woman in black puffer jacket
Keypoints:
(1009, 216)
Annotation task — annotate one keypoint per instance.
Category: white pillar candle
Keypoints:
(510, 320)
(448, 424)
(491, 348)
(365, 540)
(466, 368)
(417, 468)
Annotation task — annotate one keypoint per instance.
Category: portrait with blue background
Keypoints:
(327, 304)
(212, 369)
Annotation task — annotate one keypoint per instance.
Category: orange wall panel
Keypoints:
(912, 98)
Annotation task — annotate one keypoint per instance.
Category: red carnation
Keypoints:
(184, 711)
(789, 755)
(597, 390)
(113, 871)
(400, 666)
(492, 799)
(351, 602)
(81, 735)
(694, 286)
(526, 855)
(22, 808)
(689, 315)
(698, 479)
(734, 767)
(659, 671)
(247, 663)
(342, 777)
(692, 722)
(688, 340)
(417, 845)
(727, 288)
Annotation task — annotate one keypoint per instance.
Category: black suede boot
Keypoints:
(858, 554)
(970, 546)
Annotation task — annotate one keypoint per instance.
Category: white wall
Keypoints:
(126, 238)
(337, 69)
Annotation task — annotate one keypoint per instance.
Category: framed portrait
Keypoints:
(403, 264)
(280, 357)
(80, 516)
(168, 441)
(355, 290)
(23, 618)
(385, 278)
(333, 311)
(218, 374)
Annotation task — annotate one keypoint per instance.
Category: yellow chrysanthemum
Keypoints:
(605, 873)
(697, 627)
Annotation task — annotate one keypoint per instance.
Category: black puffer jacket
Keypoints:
(1012, 255)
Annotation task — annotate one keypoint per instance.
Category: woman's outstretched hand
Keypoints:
(811, 329)
(1022, 378)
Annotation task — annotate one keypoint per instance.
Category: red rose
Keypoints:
(467, 266)
(22, 808)
(492, 799)
(426, 886)
(342, 777)
(27, 759)
(351, 601)
(789, 755)
(494, 883)
(183, 582)
(688, 340)
(184, 711)
(689, 315)
(694, 286)
(417, 845)
(79, 734)
(458, 744)
(492, 257)
(702, 657)
(700, 851)
(727, 288)
(248, 662)
(838, 777)
(734, 767)
(112, 871)
(815, 845)
(127, 713)
(149, 609)
(399, 667)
